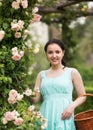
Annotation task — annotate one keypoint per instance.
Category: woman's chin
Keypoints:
(54, 63)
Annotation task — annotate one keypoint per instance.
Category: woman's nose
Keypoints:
(54, 55)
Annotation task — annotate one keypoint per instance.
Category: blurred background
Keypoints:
(71, 22)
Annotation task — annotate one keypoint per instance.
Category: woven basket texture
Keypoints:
(84, 120)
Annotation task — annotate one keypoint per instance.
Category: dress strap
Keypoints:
(43, 75)
(69, 71)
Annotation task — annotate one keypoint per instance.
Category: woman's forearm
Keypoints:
(80, 100)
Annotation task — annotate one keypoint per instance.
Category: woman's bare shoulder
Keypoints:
(41, 73)
(75, 73)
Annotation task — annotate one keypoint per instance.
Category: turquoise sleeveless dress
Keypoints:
(57, 95)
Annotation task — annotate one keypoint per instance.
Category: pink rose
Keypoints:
(13, 93)
(24, 3)
(15, 27)
(12, 100)
(17, 35)
(16, 57)
(21, 53)
(15, 5)
(9, 116)
(36, 18)
(2, 34)
(18, 121)
(21, 24)
(16, 114)
(14, 51)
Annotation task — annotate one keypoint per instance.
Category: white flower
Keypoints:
(44, 126)
(28, 92)
(31, 108)
(28, 44)
(36, 50)
(19, 1)
(24, 3)
(2, 34)
(26, 32)
(13, 93)
(19, 96)
(15, 5)
(16, 114)
(14, 49)
(4, 121)
(35, 10)
(21, 24)
(39, 114)
(0, 3)
(12, 100)
(13, 22)
(43, 119)
(21, 53)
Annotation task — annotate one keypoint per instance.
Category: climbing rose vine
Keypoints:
(16, 109)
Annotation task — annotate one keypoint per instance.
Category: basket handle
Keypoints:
(87, 94)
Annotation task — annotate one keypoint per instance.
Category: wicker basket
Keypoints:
(84, 120)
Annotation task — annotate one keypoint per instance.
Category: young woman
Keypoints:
(56, 86)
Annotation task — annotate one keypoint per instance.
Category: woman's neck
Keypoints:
(59, 67)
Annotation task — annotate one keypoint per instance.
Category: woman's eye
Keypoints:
(57, 52)
(49, 52)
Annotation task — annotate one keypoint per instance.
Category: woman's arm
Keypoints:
(37, 89)
(79, 87)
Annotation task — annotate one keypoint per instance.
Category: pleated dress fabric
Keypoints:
(57, 95)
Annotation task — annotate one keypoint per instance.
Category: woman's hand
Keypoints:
(68, 112)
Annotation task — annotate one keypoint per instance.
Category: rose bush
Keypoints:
(15, 58)
(20, 117)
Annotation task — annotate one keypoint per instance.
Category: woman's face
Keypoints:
(54, 54)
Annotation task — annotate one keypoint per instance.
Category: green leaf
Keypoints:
(5, 26)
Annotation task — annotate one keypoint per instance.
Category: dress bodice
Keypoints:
(57, 85)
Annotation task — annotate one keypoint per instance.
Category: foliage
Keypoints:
(15, 19)
(47, 3)
(19, 117)
(87, 74)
